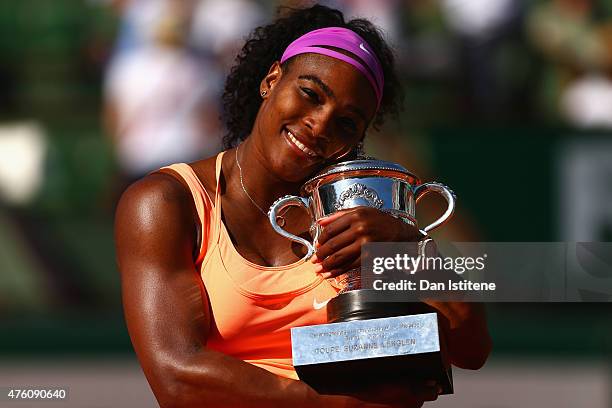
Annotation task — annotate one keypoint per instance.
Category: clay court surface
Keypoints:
(113, 383)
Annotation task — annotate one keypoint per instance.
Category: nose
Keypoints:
(320, 123)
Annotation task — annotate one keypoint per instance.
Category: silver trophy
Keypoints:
(386, 186)
(413, 347)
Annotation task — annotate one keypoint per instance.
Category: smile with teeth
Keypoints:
(301, 146)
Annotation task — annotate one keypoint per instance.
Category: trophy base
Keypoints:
(363, 304)
(351, 376)
(369, 342)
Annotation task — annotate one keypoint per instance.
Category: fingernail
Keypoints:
(439, 389)
(318, 268)
(314, 258)
(326, 275)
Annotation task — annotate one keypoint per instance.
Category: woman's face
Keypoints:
(313, 113)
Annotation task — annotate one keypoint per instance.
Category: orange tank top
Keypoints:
(253, 306)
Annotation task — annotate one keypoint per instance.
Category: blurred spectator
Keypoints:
(138, 22)
(578, 45)
(161, 101)
(477, 19)
(219, 27)
(384, 13)
(481, 29)
(587, 101)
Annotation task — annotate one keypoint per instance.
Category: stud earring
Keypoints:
(359, 152)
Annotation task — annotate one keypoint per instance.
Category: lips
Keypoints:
(301, 146)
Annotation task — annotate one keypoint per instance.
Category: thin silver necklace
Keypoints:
(280, 220)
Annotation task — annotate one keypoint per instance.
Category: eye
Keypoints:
(348, 124)
(312, 95)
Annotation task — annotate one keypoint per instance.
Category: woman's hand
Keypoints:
(396, 395)
(344, 232)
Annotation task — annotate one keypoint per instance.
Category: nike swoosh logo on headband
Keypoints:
(364, 48)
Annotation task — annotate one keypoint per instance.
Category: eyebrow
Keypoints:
(318, 81)
(331, 94)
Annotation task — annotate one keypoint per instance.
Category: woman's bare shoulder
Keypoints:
(164, 189)
(156, 189)
(205, 171)
(157, 206)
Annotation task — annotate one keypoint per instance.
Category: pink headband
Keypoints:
(345, 39)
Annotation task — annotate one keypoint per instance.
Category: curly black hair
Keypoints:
(266, 44)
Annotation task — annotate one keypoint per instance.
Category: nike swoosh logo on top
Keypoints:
(363, 48)
(319, 305)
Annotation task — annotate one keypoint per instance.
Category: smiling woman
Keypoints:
(210, 290)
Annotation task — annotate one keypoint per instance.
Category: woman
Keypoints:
(210, 290)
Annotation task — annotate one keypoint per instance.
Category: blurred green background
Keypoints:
(489, 113)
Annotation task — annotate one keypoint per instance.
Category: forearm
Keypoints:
(468, 336)
(211, 379)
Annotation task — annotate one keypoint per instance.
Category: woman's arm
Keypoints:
(167, 309)
(469, 343)
(167, 312)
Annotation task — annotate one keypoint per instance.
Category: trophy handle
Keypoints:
(282, 203)
(445, 192)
